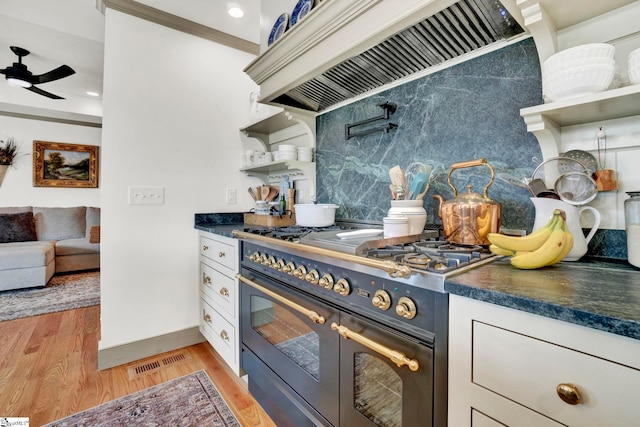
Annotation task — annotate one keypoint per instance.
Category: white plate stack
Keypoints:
(305, 154)
(580, 70)
(634, 67)
(285, 152)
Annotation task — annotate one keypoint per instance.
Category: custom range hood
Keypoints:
(345, 48)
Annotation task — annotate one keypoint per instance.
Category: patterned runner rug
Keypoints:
(63, 292)
(191, 400)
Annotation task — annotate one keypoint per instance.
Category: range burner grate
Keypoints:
(290, 233)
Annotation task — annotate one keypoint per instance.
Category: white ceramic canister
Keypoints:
(412, 209)
(396, 226)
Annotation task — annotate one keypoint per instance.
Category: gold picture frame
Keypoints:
(57, 164)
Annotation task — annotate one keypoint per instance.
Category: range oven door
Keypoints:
(290, 334)
(374, 389)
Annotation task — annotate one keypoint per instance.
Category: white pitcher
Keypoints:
(544, 212)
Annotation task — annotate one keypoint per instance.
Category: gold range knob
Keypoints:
(312, 277)
(342, 287)
(326, 281)
(406, 308)
(269, 261)
(569, 393)
(300, 272)
(289, 268)
(262, 259)
(381, 299)
(279, 265)
(254, 257)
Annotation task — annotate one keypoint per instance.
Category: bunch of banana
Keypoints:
(546, 246)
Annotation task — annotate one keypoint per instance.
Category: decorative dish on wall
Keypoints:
(281, 25)
(300, 10)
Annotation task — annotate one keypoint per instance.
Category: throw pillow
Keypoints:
(60, 223)
(18, 227)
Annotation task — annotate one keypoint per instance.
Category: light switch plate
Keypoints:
(146, 195)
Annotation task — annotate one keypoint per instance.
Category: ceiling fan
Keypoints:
(18, 75)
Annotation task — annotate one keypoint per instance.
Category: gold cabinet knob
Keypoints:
(279, 265)
(326, 281)
(289, 268)
(569, 393)
(381, 299)
(342, 287)
(300, 272)
(406, 308)
(312, 277)
(224, 292)
(206, 317)
(206, 279)
(224, 335)
(221, 254)
(254, 256)
(205, 248)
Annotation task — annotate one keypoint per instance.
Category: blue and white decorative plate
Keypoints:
(279, 28)
(302, 8)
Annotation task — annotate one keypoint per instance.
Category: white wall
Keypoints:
(173, 104)
(17, 187)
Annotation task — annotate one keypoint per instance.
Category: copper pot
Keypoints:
(469, 217)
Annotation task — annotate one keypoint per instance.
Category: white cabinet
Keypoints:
(288, 127)
(505, 367)
(219, 296)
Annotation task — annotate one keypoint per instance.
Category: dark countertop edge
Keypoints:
(221, 230)
(623, 327)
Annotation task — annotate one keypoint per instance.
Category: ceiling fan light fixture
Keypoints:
(234, 10)
(13, 81)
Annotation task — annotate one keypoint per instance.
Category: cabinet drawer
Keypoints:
(219, 289)
(222, 253)
(220, 333)
(528, 370)
(478, 419)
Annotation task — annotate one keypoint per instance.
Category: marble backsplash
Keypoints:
(467, 111)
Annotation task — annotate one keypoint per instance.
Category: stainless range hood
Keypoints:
(353, 68)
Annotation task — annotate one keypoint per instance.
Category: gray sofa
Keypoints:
(37, 242)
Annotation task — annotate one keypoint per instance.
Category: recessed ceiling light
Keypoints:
(93, 93)
(235, 10)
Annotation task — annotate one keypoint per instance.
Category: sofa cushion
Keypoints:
(93, 219)
(76, 247)
(60, 223)
(18, 255)
(17, 227)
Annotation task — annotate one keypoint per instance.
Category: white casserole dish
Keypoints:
(312, 215)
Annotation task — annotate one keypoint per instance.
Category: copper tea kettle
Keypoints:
(469, 217)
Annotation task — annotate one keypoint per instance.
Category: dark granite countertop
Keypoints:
(599, 294)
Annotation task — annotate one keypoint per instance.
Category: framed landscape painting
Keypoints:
(57, 164)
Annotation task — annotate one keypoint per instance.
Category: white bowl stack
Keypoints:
(305, 154)
(285, 152)
(634, 67)
(580, 70)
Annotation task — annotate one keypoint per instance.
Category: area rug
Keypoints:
(191, 400)
(63, 292)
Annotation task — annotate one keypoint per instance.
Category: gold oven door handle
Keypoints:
(315, 317)
(396, 357)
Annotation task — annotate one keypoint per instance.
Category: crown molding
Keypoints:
(160, 17)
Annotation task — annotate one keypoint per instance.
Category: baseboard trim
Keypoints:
(119, 355)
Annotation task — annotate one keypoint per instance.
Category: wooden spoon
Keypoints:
(264, 192)
(251, 193)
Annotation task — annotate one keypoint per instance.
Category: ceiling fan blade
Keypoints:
(43, 92)
(59, 73)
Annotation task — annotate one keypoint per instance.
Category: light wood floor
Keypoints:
(48, 370)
